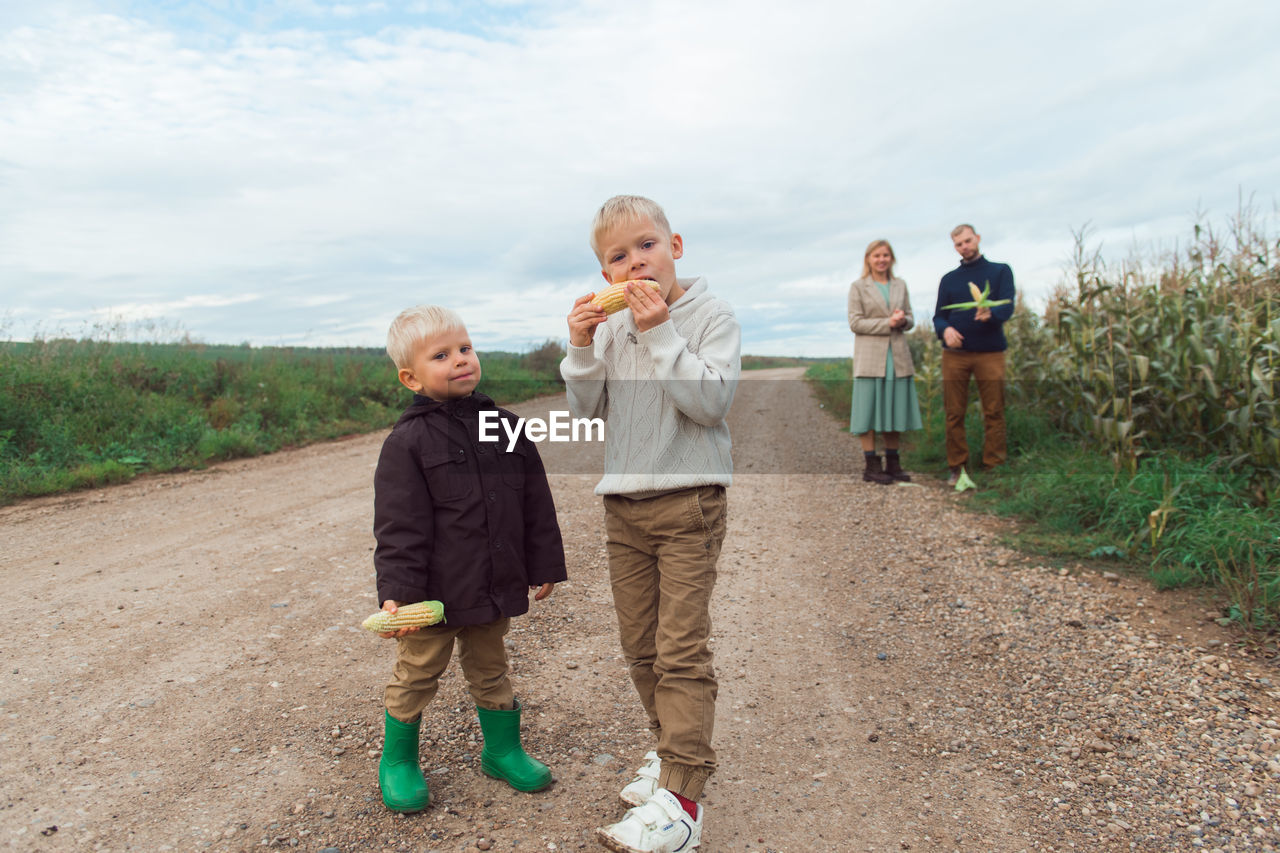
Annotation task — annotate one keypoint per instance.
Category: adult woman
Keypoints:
(884, 390)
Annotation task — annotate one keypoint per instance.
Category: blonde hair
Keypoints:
(413, 325)
(866, 257)
(626, 209)
(964, 226)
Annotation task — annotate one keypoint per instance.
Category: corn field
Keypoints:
(1183, 355)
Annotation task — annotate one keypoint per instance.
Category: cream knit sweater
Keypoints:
(663, 393)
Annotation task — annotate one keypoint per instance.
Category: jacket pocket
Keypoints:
(513, 466)
(446, 474)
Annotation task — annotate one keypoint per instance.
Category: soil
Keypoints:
(182, 670)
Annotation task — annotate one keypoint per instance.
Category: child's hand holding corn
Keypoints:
(399, 619)
(391, 607)
(646, 305)
(585, 315)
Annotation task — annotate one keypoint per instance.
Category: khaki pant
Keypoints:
(988, 369)
(421, 658)
(662, 565)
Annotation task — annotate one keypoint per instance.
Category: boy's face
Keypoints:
(443, 366)
(640, 249)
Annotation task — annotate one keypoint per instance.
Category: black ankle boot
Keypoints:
(872, 473)
(893, 467)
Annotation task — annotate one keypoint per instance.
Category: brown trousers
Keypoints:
(421, 658)
(662, 565)
(988, 369)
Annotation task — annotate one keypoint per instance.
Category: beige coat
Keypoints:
(869, 322)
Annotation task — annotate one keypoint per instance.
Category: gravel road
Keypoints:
(182, 671)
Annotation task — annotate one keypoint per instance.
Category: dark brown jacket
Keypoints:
(460, 521)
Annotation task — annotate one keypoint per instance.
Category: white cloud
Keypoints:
(130, 312)
(337, 175)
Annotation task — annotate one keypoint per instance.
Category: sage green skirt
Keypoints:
(884, 403)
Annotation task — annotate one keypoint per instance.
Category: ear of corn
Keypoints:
(981, 299)
(418, 615)
(612, 300)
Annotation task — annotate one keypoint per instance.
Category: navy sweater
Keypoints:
(978, 336)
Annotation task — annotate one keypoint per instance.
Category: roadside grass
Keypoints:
(1180, 522)
(86, 413)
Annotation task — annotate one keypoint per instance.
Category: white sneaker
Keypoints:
(661, 825)
(641, 788)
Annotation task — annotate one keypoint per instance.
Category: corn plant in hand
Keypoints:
(981, 299)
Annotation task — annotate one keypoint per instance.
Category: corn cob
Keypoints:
(406, 616)
(981, 299)
(611, 299)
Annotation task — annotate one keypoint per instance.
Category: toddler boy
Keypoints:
(469, 524)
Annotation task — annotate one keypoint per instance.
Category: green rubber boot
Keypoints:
(399, 776)
(503, 757)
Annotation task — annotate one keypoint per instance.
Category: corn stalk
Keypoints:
(1181, 357)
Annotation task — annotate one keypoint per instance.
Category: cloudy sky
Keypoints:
(297, 171)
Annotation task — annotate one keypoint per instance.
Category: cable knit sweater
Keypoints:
(663, 393)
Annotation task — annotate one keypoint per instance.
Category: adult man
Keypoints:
(973, 344)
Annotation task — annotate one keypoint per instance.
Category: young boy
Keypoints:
(662, 373)
(466, 523)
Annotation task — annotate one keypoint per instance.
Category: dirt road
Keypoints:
(182, 671)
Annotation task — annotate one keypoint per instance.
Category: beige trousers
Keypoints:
(662, 565)
(988, 369)
(421, 658)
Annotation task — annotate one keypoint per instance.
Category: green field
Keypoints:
(81, 413)
(764, 362)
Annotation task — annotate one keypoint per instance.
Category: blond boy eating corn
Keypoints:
(662, 373)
